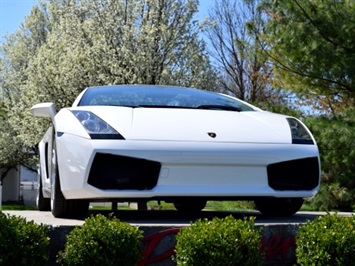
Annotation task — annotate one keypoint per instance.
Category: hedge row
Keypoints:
(328, 240)
(22, 242)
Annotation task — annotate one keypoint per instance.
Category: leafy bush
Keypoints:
(335, 137)
(22, 242)
(102, 241)
(224, 242)
(328, 240)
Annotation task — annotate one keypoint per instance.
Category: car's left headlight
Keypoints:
(299, 133)
(95, 126)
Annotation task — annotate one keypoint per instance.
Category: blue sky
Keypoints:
(13, 13)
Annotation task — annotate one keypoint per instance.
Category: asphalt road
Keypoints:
(168, 218)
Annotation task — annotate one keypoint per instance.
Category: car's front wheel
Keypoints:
(279, 206)
(61, 207)
(190, 205)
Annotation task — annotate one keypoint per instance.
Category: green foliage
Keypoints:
(22, 242)
(224, 241)
(328, 240)
(102, 241)
(312, 47)
(336, 140)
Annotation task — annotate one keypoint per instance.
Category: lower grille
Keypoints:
(120, 172)
(301, 174)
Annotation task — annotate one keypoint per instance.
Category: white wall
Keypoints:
(20, 184)
(11, 186)
(28, 191)
(28, 186)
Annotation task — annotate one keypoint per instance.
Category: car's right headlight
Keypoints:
(299, 133)
(95, 126)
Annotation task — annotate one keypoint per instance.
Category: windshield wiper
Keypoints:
(219, 107)
(162, 106)
(205, 107)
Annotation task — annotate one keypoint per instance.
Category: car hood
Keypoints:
(165, 124)
(209, 125)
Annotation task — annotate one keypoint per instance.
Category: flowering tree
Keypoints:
(65, 46)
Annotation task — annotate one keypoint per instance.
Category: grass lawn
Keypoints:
(16, 207)
(211, 205)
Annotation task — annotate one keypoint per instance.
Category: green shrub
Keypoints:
(327, 240)
(22, 242)
(102, 241)
(224, 242)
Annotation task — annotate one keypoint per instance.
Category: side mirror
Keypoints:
(44, 110)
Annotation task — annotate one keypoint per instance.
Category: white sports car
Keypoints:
(181, 145)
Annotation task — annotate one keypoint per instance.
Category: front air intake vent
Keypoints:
(113, 172)
(301, 174)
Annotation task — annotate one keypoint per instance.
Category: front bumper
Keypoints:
(124, 169)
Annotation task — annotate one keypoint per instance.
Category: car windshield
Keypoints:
(160, 97)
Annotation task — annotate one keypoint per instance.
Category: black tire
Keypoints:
(190, 206)
(279, 206)
(62, 208)
(43, 204)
